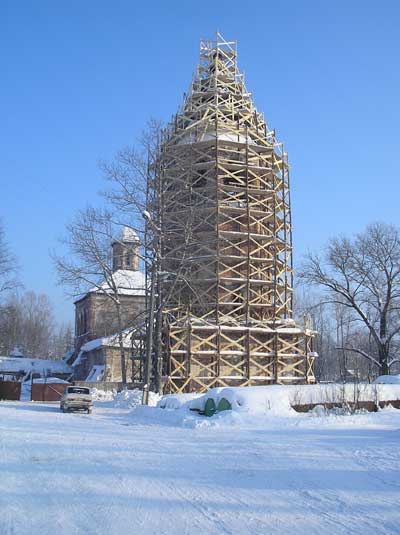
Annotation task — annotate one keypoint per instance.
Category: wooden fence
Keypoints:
(47, 391)
(10, 390)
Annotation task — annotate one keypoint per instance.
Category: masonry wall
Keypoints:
(104, 356)
(96, 316)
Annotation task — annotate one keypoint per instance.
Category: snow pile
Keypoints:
(255, 400)
(271, 400)
(126, 399)
(388, 380)
(231, 406)
(177, 401)
(277, 400)
(340, 393)
(103, 395)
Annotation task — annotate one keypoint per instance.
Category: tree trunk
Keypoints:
(383, 349)
(383, 360)
(121, 346)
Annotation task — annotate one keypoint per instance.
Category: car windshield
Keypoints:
(78, 390)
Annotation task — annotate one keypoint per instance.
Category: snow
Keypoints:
(16, 352)
(160, 472)
(211, 135)
(278, 399)
(128, 235)
(53, 380)
(110, 341)
(96, 373)
(127, 281)
(25, 364)
(105, 341)
(388, 380)
(126, 399)
(78, 359)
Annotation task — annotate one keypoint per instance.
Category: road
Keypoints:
(151, 472)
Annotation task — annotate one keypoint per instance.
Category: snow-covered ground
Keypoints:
(156, 471)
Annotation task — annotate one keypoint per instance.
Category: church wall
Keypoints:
(108, 356)
(96, 316)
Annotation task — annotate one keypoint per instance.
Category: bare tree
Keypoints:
(132, 176)
(137, 194)
(363, 275)
(8, 266)
(27, 322)
(62, 341)
(88, 263)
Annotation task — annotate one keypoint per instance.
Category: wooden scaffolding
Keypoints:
(226, 246)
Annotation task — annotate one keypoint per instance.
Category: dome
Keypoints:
(128, 235)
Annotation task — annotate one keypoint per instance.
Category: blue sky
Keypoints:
(79, 80)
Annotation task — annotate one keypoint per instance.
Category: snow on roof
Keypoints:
(129, 235)
(106, 341)
(78, 359)
(25, 364)
(96, 373)
(127, 281)
(211, 135)
(68, 354)
(47, 380)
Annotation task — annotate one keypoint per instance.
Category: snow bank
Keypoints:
(176, 401)
(273, 400)
(103, 395)
(278, 400)
(341, 393)
(388, 380)
(126, 399)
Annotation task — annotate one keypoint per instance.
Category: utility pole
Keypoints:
(154, 339)
(154, 302)
(158, 338)
(149, 338)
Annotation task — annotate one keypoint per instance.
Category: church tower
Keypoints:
(126, 251)
(227, 235)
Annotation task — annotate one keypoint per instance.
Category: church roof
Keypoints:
(127, 281)
(127, 235)
(26, 364)
(111, 341)
(129, 334)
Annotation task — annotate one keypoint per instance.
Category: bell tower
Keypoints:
(126, 251)
(227, 232)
